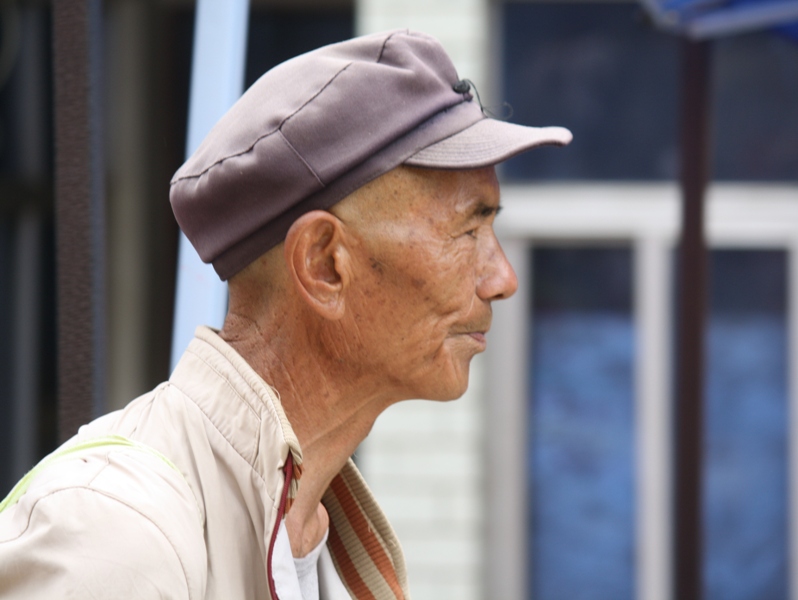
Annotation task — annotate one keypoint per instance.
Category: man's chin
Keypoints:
(445, 378)
(453, 389)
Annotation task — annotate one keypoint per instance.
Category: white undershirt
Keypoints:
(299, 578)
(307, 571)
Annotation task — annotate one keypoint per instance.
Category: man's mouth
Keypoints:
(479, 336)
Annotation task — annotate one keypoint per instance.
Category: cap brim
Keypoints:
(486, 143)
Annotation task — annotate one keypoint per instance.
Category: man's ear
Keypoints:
(316, 258)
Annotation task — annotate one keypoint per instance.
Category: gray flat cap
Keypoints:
(319, 126)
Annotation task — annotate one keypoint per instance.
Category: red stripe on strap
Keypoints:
(348, 570)
(365, 534)
(288, 469)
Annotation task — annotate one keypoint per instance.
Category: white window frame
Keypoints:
(647, 216)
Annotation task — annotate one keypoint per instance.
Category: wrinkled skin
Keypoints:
(428, 266)
(385, 297)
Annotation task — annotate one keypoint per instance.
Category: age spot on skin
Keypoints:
(376, 265)
(418, 283)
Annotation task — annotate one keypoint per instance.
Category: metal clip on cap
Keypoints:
(462, 86)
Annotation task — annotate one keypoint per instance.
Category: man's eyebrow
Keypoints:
(481, 209)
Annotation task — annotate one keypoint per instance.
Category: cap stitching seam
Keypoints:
(300, 157)
(263, 137)
(316, 95)
(385, 42)
(284, 121)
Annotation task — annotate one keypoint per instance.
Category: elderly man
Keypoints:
(349, 198)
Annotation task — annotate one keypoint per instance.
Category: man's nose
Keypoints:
(498, 279)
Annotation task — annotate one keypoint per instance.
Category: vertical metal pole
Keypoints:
(80, 223)
(217, 80)
(692, 302)
(654, 447)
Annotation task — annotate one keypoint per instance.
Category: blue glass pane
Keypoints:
(745, 503)
(596, 68)
(581, 426)
(756, 107)
(601, 70)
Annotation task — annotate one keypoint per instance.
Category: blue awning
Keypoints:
(705, 19)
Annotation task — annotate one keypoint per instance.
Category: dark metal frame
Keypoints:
(692, 308)
(79, 204)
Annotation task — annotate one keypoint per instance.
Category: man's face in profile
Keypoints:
(428, 267)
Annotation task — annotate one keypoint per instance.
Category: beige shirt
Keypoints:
(120, 523)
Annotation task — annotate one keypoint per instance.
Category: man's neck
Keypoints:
(329, 415)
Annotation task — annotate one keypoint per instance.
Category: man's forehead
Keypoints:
(464, 191)
(411, 194)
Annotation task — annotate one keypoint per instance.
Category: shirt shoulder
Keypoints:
(108, 524)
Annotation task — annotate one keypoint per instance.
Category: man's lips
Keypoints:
(477, 330)
(479, 336)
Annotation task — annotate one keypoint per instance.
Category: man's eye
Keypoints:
(472, 232)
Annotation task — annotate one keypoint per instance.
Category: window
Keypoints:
(751, 385)
(581, 424)
(603, 71)
(745, 501)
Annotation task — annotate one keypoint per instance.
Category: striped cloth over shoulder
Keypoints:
(362, 543)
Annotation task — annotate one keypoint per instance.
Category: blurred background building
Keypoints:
(551, 478)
